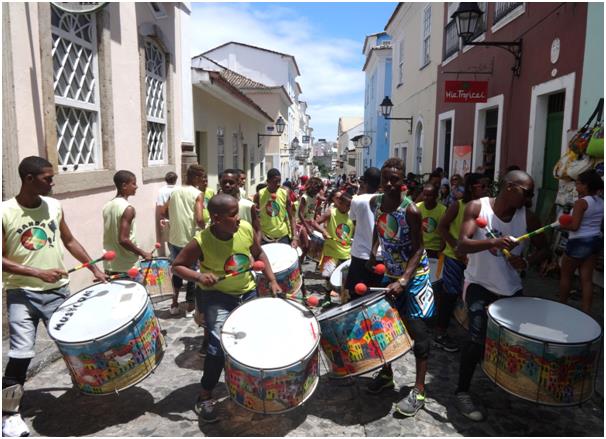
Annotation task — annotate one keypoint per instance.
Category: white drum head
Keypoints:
(281, 256)
(97, 311)
(275, 334)
(335, 277)
(358, 303)
(545, 320)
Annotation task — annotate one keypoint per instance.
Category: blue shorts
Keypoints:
(582, 248)
(452, 276)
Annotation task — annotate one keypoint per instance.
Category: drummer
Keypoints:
(307, 211)
(119, 226)
(225, 243)
(35, 279)
(398, 227)
(230, 185)
(276, 214)
(490, 275)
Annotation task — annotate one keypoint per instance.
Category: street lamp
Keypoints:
(386, 107)
(467, 16)
(280, 125)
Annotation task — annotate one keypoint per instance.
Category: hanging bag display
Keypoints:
(596, 143)
(580, 141)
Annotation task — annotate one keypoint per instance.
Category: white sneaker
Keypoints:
(174, 310)
(14, 426)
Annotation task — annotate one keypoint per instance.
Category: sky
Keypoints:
(326, 39)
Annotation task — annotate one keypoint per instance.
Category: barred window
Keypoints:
(426, 47)
(235, 150)
(220, 150)
(75, 84)
(155, 103)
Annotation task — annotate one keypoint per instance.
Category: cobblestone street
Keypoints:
(161, 405)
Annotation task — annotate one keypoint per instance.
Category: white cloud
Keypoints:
(331, 84)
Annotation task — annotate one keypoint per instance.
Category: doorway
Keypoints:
(489, 142)
(447, 144)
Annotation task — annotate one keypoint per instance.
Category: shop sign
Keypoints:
(465, 91)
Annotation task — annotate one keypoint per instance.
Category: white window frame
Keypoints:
(158, 10)
(235, 149)
(442, 118)
(154, 119)
(253, 165)
(77, 105)
(220, 150)
(425, 37)
(495, 102)
(512, 15)
(401, 62)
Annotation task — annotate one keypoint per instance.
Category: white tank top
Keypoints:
(592, 218)
(490, 268)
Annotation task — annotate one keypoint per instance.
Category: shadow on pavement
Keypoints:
(191, 358)
(75, 414)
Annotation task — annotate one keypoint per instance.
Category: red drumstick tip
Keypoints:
(132, 273)
(313, 301)
(109, 255)
(403, 188)
(274, 196)
(380, 269)
(481, 222)
(157, 245)
(565, 219)
(360, 289)
(258, 266)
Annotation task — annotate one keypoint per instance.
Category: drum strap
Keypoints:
(11, 398)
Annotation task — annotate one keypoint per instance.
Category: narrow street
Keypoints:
(161, 405)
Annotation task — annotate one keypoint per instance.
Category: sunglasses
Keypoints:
(528, 193)
(480, 185)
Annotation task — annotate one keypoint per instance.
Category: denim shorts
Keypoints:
(25, 309)
(582, 248)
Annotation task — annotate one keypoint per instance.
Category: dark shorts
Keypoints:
(358, 273)
(582, 248)
(419, 332)
(452, 276)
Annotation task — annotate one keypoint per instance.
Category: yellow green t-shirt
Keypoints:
(455, 228)
(181, 212)
(431, 219)
(208, 194)
(223, 257)
(272, 213)
(310, 206)
(112, 216)
(340, 228)
(32, 238)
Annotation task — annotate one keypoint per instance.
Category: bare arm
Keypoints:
(468, 228)
(291, 219)
(198, 209)
(415, 222)
(580, 206)
(124, 234)
(444, 224)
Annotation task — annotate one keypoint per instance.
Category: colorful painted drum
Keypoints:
(363, 335)
(542, 351)
(109, 336)
(156, 275)
(337, 278)
(284, 262)
(271, 355)
(316, 244)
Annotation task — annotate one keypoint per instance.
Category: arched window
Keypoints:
(155, 103)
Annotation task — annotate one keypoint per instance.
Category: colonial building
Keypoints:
(350, 129)
(94, 93)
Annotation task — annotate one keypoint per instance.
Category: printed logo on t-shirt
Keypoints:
(35, 235)
(236, 263)
(343, 231)
(387, 225)
(429, 224)
(272, 208)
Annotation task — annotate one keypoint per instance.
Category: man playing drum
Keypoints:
(185, 210)
(227, 246)
(119, 226)
(35, 279)
(490, 274)
(276, 214)
(230, 185)
(306, 213)
(398, 227)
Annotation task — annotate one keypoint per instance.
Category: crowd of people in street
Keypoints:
(384, 217)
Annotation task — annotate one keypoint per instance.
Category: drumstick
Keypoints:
(379, 269)
(108, 256)
(256, 266)
(563, 220)
(237, 335)
(157, 245)
(362, 289)
(482, 223)
(132, 273)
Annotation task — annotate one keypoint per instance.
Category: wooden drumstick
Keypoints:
(108, 256)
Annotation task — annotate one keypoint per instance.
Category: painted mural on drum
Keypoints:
(555, 374)
(355, 340)
(154, 273)
(118, 360)
(267, 391)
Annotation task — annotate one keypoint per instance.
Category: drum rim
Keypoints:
(357, 303)
(530, 337)
(341, 266)
(289, 268)
(158, 258)
(225, 351)
(115, 331)
(311, 392)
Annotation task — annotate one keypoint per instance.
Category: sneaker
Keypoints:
(380, 381)
(205, 409)
(189, 313)
(446, 343)
(174, 310)
(14, 426)
(410, 405)
(467, 407)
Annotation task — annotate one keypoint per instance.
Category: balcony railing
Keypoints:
(451, 42)
(501, 9)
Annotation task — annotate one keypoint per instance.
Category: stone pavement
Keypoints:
(161, 405)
